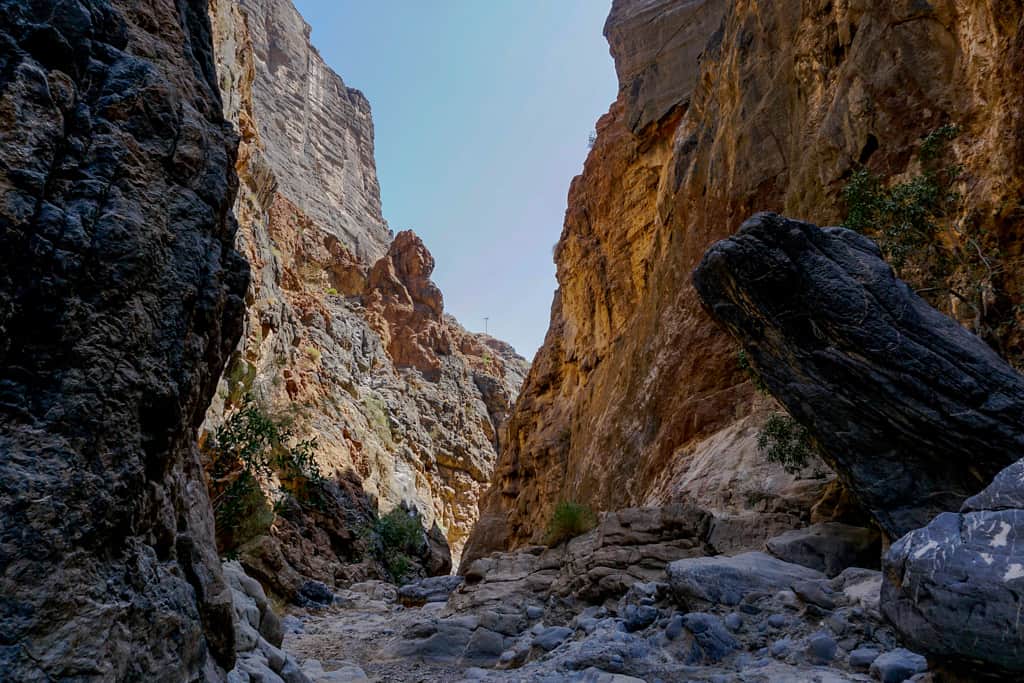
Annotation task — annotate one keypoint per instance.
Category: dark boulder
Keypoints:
(914, 412)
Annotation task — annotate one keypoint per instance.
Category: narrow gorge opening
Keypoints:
(250, 429)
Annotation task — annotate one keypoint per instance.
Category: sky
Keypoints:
(482, 110)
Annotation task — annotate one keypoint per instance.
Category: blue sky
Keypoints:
(482, 110)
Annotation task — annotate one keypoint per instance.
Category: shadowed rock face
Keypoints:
(120, 298)
(925, 594)
(914, 412)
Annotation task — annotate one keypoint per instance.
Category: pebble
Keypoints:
(733, 622)
(862, 658)
(898, 665)
(821, 648)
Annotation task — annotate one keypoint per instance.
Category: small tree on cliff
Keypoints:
(243, 455)
(916, 225)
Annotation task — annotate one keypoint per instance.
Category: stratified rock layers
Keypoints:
(914, 412)
(635, 386)
(120, 300)
(317, 133)
(345, 330)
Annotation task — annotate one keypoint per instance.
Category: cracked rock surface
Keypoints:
(120, 300)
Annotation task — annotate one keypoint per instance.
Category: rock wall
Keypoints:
(120, 301)
(635, 396)
(317, 133)
(345, 331)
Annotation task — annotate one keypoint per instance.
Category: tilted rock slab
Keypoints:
(914, 412)
(120, 299)
(953, 589)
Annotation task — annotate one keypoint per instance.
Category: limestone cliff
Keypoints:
(724, 109)
(120, 301)
(345, 330)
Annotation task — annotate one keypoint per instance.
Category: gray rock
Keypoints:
(726, 580)
(484, 648)
(897, 666)
(552, 637)
(292, 624)
(912, 410)
(534, 612)
(733, 622)
(815, 593)
(829, 547)
(637, 617)
(674, 629)
(314, 594)
(291, 673)
(431, 589)
(710, 635)
(821, 648)
(933, 607)
(778, 621)
(861, 659)
(781, 648)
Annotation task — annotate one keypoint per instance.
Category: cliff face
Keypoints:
(120, 300)
(317, 133)
(636, 397)
(345, 330)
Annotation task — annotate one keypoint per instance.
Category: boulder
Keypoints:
(829, 547)
(953, 588)
(727, 580)
(913, 412)
(897, 666)
(432, 589)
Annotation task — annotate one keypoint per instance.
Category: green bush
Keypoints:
(914, 223)
(743, 362)
(569, 520)
(785, 441)
(401, 535)
(247, 449)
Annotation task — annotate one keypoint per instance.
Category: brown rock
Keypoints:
(345, 335)
(787, 99)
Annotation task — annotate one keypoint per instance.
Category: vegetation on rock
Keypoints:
(918, 226)
(569, 520)
(401, 537)
(784, 441)
(245, 454)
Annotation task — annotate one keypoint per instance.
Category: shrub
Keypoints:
(245, 451)
(400, 534)
(744, 364)
(785, 441)
(569, 520)
(313, 354)
(914, 224)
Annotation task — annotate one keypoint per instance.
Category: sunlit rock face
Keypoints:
(120, 301)
(317, 132)
(345, 331)
(725, 109)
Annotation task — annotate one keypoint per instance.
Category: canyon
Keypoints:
(199, 291)
(636, 398)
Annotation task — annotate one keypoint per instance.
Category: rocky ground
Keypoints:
(639, 598)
